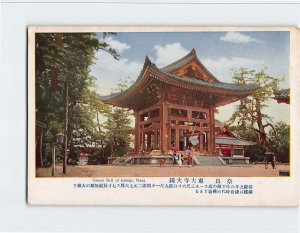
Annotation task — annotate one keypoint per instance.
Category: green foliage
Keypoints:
(245, 133)
(251, 122)
(118, 125)
(249, 115)
(122, 85)
(61, 57)
(255, 153)
(279, 138)
(250, 108)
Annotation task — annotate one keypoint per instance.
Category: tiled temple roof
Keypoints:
(147, 63)
(282, 94)
(220, 85)
(185, 60)
(216, 85)
(233, 141)
(181, 62)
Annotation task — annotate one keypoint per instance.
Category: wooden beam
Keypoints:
(153, 107)
(150, 120)
(170, 118)
(189, 107)
(149, 129)
(190, 127)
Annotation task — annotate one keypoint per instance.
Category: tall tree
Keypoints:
(249, 113)
(118, 124)
(62, 57)
(99, 110)
(279, 138)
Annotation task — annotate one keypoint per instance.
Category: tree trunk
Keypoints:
(102, 147)
(98, 121)
(263, 140)
(111, 149)
(66, 126)
(71, 149)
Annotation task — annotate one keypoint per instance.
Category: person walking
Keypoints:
(190, 160)
(179, 161)
(188, 153)
(173, 148)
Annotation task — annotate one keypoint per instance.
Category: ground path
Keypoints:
(167, 171)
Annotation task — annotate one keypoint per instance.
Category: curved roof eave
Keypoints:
(231, 87)
(147, 63)
(220, 85)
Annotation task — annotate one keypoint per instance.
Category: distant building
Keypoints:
(282, 96)
(227, 144)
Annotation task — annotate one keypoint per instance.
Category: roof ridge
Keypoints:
(214, 77)
(192, 53)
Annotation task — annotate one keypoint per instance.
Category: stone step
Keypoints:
(120, 161)
(209, 161)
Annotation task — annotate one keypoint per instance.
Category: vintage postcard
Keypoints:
(163, 116)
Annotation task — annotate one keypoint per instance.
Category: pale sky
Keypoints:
(221, 52)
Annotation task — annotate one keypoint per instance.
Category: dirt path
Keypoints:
(168, 171)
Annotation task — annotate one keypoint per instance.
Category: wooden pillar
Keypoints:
(169, 145)
(187, 140)
(201, 141)
(137, 133)
(163, 124)
(148, 141)
(155, 139)
(208, 138)
(212, 130)
(142, 142)
(177, 138)
(158, 138)
(163, 130)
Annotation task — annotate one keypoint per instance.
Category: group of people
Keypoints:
(178, 158)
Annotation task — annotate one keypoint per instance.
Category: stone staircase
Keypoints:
(208, 161)
(119, 161)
